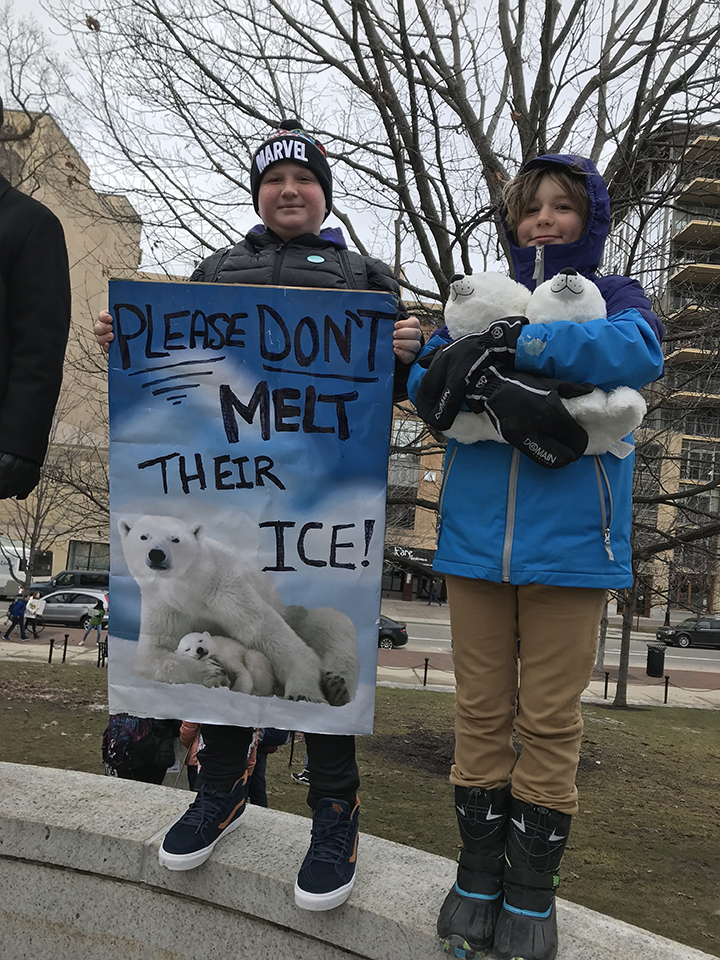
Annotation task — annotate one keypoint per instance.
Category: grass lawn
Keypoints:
(645, 847)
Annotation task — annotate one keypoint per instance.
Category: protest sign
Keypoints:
(249, 435)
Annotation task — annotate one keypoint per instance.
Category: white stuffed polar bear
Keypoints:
(478, 300)
(248, 671)
(190, 583)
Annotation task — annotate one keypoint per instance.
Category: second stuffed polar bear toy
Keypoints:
(478, 300)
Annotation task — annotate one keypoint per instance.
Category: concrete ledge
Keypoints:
(79, 877)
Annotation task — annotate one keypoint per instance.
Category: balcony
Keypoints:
(683, 383)
(689, 308)
(703, 191)
(702, 150)
(699, 232)
(696, 347)
(702, 274)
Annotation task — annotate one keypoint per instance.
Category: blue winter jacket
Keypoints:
(506, 519)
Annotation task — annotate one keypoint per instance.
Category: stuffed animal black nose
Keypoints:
(568, 271)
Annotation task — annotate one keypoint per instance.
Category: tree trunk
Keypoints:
(627, 624)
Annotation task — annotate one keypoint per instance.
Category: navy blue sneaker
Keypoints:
(211, 816)
(327, 874)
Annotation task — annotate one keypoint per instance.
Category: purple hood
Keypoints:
(584, 254)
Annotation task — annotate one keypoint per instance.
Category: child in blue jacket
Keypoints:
(528, 555)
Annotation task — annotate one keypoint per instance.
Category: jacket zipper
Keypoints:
(606, 515)
(278, 265)
(442, 488)
(510, 516)
(539, 271)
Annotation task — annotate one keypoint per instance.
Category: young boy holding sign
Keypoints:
(291, 185)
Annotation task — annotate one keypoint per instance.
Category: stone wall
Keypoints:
(79, 878)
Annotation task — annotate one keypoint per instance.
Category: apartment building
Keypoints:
(690, 412)
(677, 259)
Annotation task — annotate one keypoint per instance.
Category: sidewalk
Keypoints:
(406, 668)
(687, 688)
(418, 611)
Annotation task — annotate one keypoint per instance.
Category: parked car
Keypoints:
(391, 633)
(73, 607)
(75, 579)
(701, 632)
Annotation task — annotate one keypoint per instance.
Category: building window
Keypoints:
(692, 380)
(88, 556)
(699, 460)
(702, 423)
(404, 473)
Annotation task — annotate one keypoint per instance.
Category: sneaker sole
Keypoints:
(322, 901)
(188, 861)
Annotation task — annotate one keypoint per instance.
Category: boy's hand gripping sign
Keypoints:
(249, 434)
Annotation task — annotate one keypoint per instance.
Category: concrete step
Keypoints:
(80, 878)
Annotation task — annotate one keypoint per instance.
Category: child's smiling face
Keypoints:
(291, 201)
(552, 217)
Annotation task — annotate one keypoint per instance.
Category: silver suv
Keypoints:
(73, 606)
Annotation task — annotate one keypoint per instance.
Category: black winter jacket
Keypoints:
(34, 321)
(263, 259)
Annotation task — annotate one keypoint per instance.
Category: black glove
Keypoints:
(449, 368)
(528, 412)
(18, 476)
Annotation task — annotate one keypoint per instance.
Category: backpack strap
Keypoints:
(214, 264)
(354, 268)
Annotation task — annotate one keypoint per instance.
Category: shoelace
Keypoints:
(329, 840)
(206, 806)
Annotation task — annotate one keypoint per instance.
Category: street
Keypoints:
(429, 638)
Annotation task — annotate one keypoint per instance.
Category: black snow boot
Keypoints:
(527, 925)
(467, 919)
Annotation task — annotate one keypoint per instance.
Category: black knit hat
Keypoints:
(291, 142)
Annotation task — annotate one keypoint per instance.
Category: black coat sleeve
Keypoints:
(380, 277)
(36, 326)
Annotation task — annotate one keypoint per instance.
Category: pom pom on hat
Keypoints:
(290, 142)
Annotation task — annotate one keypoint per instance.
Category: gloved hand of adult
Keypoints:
(451, 367)
(18, 476)
(528, 412)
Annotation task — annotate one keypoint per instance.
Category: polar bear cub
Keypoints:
(248, 671)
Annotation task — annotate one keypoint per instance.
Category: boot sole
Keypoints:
(458, 947)
(189, 861)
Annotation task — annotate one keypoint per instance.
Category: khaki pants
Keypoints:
(558, 629)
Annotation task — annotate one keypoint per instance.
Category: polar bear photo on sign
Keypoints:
(248, 671)
(191, 584)
(476, 301)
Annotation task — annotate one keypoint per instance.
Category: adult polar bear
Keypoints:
(190, 583)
